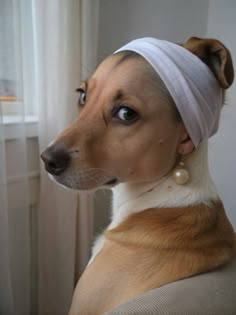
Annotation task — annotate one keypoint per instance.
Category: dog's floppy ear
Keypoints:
(216, 56)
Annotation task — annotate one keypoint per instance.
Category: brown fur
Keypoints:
(216, 56)
(152, 248)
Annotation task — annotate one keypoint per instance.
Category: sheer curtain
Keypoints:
(42, 61)
(65, 53)
(15, 209)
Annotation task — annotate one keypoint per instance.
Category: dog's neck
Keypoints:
(130, 198)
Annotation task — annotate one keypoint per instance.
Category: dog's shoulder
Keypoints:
(201, 232)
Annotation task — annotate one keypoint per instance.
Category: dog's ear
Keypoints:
(213, 53)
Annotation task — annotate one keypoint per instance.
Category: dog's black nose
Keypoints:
(56, 159)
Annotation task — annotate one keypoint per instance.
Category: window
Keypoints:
(16, 59)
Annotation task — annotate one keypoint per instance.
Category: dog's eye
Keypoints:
(126, 114)
(82, 96)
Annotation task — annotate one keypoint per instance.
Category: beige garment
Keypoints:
(212, 293)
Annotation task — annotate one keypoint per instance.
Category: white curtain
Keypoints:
(38, 272)
(65, 34)
(15, 209)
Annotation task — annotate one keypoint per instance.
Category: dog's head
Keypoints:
(128, 128)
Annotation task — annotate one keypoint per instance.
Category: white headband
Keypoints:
(193, 87)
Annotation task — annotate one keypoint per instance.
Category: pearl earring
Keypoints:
(181, 175)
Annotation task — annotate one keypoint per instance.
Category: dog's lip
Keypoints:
(112, 182)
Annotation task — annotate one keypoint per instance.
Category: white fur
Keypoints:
(98, 245)
(132, 198)
(61, 185)
(129, 198)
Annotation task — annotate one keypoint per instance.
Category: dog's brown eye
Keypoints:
(82, 96)
(126, 114)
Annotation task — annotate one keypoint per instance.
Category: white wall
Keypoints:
(174, 20)
(222, 149)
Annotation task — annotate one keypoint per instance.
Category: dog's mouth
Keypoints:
(86, 179)
(111, 182)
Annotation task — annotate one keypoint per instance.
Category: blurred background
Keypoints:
(47, 48)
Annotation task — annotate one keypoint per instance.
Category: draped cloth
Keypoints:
(193, 87)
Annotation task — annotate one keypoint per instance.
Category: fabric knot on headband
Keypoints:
(193, 87)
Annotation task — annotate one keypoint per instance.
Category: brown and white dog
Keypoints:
(129, 136)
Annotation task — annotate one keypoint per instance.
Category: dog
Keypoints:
(129, 137)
